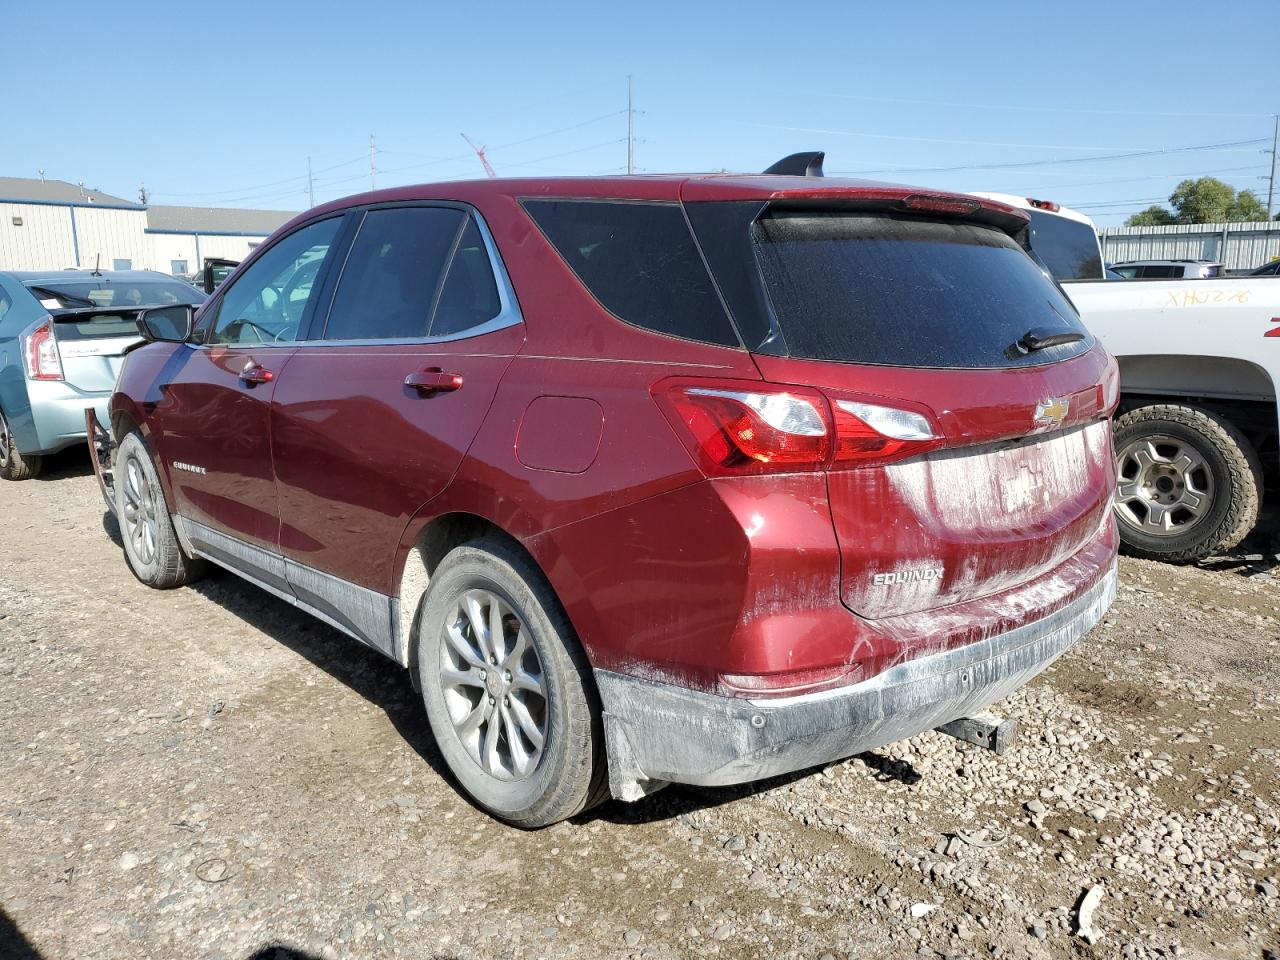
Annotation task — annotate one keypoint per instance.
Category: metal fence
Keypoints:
(1239, 246)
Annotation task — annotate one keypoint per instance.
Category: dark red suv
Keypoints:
(678, 478)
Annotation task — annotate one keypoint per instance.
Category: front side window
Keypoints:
(268, 300)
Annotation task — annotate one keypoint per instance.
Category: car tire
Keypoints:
(489, 703)
(15, 465)
(151, 546)
(1171, 452)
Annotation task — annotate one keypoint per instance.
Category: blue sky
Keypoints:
(933, 94)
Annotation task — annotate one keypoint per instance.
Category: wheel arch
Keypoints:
(1182, 375)
(431, 543)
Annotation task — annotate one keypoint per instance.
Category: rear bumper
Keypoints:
(57, 415)
(658, 732)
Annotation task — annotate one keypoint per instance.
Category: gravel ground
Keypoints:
(209, 773)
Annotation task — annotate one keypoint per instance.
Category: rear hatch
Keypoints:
(968, 402)
(92, 346)
(95, 321)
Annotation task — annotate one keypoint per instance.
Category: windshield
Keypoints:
(1068, 247)
(72, 294)
(887, 290)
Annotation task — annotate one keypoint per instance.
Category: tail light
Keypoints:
(40, 353)
(756, 428)
(1043, 205)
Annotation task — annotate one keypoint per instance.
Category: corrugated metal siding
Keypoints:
(43, 242)
(112, 235)
(1240, 246)
(46, 241)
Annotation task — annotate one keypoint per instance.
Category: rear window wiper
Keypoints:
(1042, 338)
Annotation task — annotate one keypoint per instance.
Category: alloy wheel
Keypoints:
(141, 524)
(493, 685)
(4, 442)
(1163, 485)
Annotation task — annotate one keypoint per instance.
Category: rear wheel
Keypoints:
(14, 465)
(507, 688)
(151, 546)
(1188, 483)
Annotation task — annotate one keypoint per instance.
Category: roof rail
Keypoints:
(805, 164)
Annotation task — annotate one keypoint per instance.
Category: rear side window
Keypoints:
(392, 274)
(638, 259)
(884, 290)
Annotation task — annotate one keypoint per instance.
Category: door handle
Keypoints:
(254, 372)
(433, 380)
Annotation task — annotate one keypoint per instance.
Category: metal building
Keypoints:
(1238, 246)
(55, 225)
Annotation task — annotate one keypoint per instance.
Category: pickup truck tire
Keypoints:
(529, 696)
(151, 546)
(1188, 483)
(13, 464)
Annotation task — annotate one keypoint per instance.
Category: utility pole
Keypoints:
(311, 186)
(631, 131)
(142, 194)
(373, 166)
(1271, 183)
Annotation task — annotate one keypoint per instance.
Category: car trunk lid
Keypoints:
(92, 345)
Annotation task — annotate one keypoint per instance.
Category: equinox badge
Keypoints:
(907, 576)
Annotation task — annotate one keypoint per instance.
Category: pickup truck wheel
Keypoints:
(151, 546)
(508, 690)
(13, 464)
(1188, 483)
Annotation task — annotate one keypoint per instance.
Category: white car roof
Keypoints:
(1022, 203)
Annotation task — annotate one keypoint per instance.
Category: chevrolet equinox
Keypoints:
(694, 479)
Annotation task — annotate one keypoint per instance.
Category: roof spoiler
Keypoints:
(804, 164)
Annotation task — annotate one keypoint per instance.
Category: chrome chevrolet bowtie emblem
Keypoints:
(1051, 412)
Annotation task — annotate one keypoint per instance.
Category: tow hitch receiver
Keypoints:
(986, 730)
(101, 452)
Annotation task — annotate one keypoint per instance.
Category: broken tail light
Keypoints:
(758, 428)
(40, 355)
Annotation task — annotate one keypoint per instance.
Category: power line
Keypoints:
(971, 143)
(1042, 109)
(1229, 145)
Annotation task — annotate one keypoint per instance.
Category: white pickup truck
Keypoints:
(1196, 432)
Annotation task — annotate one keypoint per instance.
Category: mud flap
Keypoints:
(102, 450)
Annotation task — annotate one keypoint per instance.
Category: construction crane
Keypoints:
(488, 168)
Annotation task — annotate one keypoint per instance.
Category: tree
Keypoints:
(1247, 206)
(1205, 200)
(1150, 217)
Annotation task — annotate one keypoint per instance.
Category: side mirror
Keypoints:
(167, 324)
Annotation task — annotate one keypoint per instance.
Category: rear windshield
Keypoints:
(878, 289)
(1068, 247)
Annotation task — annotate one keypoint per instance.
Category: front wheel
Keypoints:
(508, 690)
(1188, 483)
(14, 465)
(151, 546)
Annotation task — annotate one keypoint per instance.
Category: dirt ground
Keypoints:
(209, 773)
